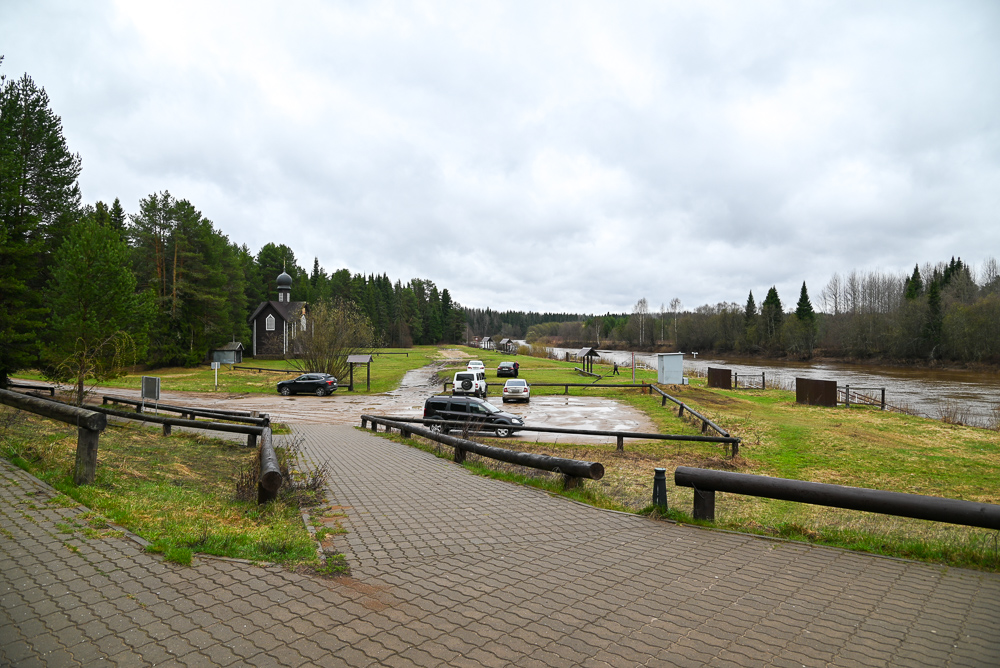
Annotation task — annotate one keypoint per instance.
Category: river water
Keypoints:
(970, 397)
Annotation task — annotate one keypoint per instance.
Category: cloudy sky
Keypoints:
(551, 156)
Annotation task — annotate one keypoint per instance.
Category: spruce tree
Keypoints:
(772, 316)
(914, 284)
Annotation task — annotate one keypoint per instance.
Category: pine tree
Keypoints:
(39, 201)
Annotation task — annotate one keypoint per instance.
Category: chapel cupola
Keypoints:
(284, 282)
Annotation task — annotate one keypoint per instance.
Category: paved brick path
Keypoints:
(452, 569)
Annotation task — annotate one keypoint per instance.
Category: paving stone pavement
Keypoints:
(452, 569)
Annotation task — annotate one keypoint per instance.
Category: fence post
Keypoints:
(847, 395)
(704, 504)
(736, 380)
(86, 456)
(459, 456)
(660, 488)
(680, 411)
(621, 443)
(570, 482)
(166, 430)
(883, 398)
(763, 381)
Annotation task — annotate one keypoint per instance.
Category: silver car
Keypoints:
(516, 389)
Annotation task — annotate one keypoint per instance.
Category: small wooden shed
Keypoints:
(231, 353)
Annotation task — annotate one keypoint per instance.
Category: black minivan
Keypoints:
(473, 410)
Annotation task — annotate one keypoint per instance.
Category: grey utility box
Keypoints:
(670, 368)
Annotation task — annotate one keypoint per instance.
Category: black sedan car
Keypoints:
(507, 369)
(320, 384)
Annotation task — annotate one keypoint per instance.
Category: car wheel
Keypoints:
(320, 392)
(505, 399)
(437, 429)
(503, 432)
(285, 391)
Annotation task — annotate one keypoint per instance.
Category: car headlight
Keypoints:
(517, 421)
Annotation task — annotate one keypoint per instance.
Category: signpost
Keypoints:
(215, 366)
(150, 389)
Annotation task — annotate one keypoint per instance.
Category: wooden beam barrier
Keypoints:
(270, 471)
(707, 482)
(89, 425)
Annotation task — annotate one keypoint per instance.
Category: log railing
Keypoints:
(574, 471)
(707, 482)
(89, 426)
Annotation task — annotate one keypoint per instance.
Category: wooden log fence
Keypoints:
(649, 388)
(51, 389)
(682, 407)
(620, 436)
(222, 414)
(258, 369)
(94, 419)
(574, 471)
(252, 431)
(707, 482)
(89, 426)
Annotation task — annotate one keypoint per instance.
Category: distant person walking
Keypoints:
(616, 370)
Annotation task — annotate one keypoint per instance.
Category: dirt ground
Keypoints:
(343, 407)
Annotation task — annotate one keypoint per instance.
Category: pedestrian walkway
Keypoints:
(453, 569)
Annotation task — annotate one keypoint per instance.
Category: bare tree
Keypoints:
(640, 312)
(333, 331)
(675, 304)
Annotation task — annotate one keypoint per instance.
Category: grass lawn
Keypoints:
(386, 373)
(857, 446)
(179, 493)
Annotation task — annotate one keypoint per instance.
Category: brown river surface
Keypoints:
(972, 395)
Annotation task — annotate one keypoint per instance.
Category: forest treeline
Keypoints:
(82, 286)
(945, 311)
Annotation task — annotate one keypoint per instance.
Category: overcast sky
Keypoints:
(551, 156)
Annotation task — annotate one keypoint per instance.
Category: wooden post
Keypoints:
(847, 395)
(680, 411)
(368, 376)
(883, 398)
(86, 456)
(459, 456)
(569, 482)
(166, 430)
(663, 401)
(364, 423)
(350, 388)
(251, 440)
(763, 382)
(704, 504)
(621, 443)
